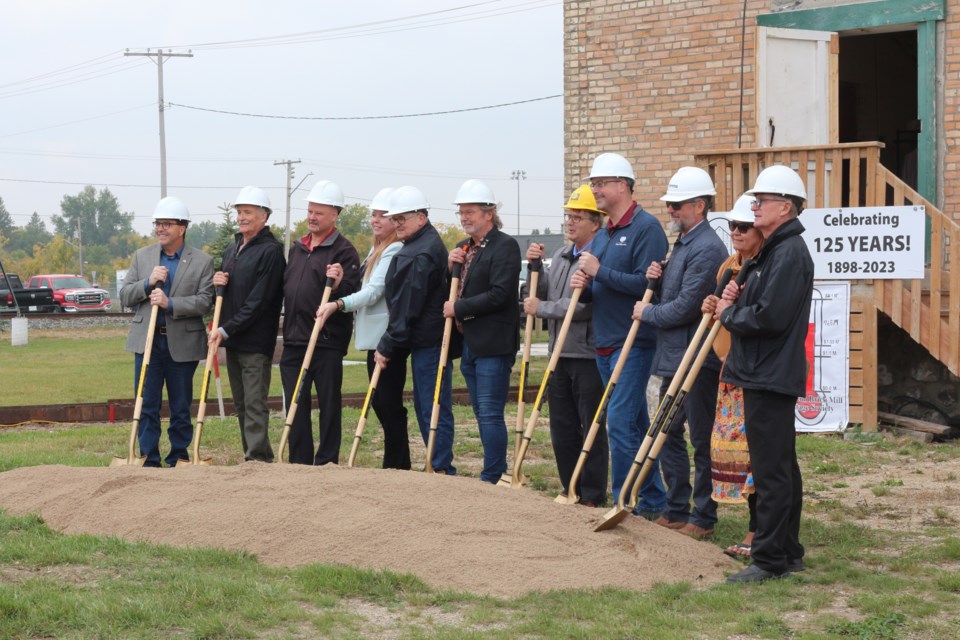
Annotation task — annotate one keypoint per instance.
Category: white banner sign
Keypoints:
(866, 243)
(826, 406)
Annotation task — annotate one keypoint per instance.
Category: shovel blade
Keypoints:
(122, 462)
(567, 499)
(190, 463)
(612, 518)
(506, 480)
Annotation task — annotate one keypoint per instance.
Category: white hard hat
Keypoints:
(255, 196)
(381, 201)
(781, 180)
(407, 199)
(474, 191)
(171, 208)
(326, 192)
(611, 165)
(689, 182)
(742, 210)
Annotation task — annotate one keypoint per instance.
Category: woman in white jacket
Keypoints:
(371, 322)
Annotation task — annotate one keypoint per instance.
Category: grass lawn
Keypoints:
(873, 572)
(90, 365)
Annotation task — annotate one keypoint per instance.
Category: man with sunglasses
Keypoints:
(416, 288)
(613, 274)
(178, 279)
(768, 321)
(686, 279)
(252, 277)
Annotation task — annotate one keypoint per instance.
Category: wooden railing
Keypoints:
(850, 175)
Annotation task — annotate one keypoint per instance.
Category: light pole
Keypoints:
(518, 175)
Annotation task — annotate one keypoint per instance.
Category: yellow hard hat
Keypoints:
(583, 200)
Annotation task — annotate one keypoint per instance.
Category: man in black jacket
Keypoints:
(768, 321)
(252, 277)
(303, 285)
(417, 286)
(486, 314)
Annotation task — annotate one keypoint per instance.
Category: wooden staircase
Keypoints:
(850, 175)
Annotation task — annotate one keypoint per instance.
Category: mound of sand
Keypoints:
(456, 533)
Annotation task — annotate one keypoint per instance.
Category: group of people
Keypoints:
(739, 410)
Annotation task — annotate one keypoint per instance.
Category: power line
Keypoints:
(63, 124)
(384, 117)
(375, 27)
(92, 62)
(92, 75)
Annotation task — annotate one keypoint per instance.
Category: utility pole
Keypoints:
(286, 233)
(160, 55)
(518, 175)
(79, 246)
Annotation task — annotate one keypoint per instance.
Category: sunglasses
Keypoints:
(676, 206)
(742, 227)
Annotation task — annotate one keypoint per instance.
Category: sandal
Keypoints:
(739, 550)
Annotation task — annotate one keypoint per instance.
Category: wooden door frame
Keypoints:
(923, 14)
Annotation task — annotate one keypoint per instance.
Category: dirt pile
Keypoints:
(453, 533)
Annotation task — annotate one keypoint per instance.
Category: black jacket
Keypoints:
(417, 286)
(768, 323)
(251, 301)
(487, 307)
(303, 285)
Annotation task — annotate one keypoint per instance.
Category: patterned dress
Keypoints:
(729, 455)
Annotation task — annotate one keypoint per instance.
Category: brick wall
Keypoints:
(655, 81)
(658, 80)
(950, 115)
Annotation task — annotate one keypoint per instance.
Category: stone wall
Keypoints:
(911, 382)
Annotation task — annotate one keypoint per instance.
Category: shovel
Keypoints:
(669, 405)
(301, 379)
(534, 267)
(363, 414)
(202, 409)
(601, 413)
(132, 458)
(516, 479)
(444, 352)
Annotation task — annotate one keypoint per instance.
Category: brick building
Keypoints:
(861, 97)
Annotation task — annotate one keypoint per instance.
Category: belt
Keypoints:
(162, 330)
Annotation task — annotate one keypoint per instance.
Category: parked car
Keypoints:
(73, 293)
(30, 300)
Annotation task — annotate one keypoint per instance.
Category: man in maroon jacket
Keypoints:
(303, 285)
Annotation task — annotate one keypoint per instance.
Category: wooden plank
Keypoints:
(854, 178)
(833, 101)
(915, 423)
(916, 292)
(953, 359)
(869, 396)
(919, 436)
(856, 322)
(836, 179)
(936, 275)
(856, 378)
(819, 176)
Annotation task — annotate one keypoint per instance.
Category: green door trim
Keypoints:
(921, 13)
(862, 15)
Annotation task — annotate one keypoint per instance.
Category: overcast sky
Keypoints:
(76, 111)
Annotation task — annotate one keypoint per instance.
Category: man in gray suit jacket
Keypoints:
(179, 280)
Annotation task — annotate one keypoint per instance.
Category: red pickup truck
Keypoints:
(73, 293)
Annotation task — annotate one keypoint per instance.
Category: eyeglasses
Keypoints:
(599, 184)
(742, 227)
(164, 224)
(756, 203)
(676, 206)
(572, 217)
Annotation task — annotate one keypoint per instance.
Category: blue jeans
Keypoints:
(424, 362)
(178, 377)
(627, 424)
(488, 380)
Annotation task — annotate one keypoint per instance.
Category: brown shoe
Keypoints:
(663, 521)
(695, 532)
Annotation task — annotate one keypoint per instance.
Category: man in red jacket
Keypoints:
(303, 285)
